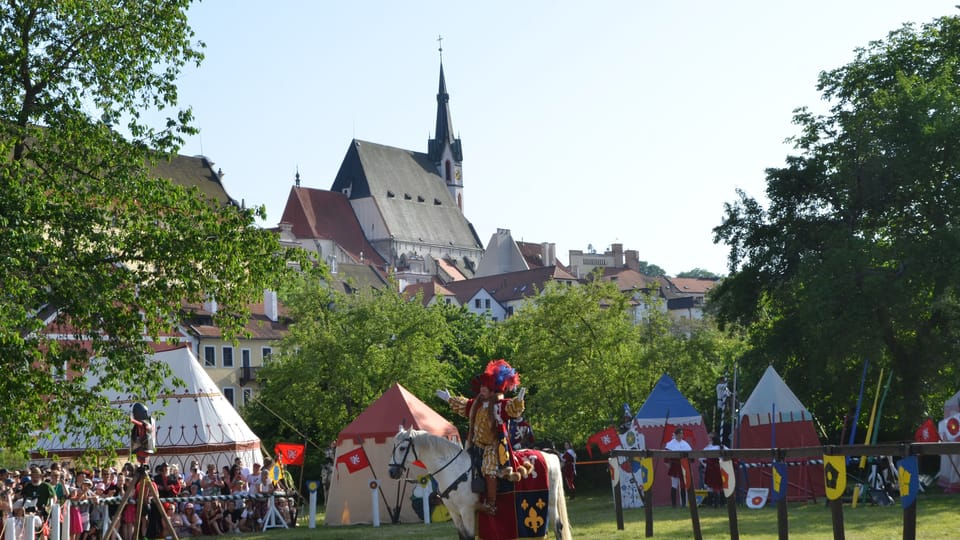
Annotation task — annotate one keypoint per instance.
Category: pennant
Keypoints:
(289, 453)
(757, 497)
(354, 460)
(835, 476)
(909, 473)
(779, 488)
(728, 476)
(927, 432)
(606, 440)
(950, 428)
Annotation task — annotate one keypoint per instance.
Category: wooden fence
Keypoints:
(782, 455)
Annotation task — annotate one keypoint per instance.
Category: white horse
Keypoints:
(449, 464)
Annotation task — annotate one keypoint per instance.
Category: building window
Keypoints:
(228, 357)
(447, 171)
(448, 301)
(247, 395)
(476, 303)
(266, 353)
(244, 357)
(209, 357)
(486, 303)
(228, 393)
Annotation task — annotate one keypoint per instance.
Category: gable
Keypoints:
(409, 194)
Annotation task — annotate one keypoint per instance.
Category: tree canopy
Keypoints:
(89, 236)
(856, 256)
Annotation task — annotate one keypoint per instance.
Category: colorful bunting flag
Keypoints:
(606, 440)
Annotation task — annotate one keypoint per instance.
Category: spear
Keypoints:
(863, 459)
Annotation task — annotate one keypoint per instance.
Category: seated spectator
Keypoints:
(192, 524)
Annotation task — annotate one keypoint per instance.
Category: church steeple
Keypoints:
(444, 149)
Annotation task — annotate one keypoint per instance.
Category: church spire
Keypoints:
(444, 149)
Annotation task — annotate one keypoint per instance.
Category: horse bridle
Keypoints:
(403, 466)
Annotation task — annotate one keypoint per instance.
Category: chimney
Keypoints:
(617, 255)
(210, 305)
(270, 305)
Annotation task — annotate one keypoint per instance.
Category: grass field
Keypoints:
(593, 518)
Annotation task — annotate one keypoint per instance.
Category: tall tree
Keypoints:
(857, 254)
(87, 234)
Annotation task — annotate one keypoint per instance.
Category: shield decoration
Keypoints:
(757, 497)
(729, 478)
(646, 473)
(909, 473)
(835, 476)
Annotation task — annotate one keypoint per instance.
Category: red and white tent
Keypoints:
(363, 456)
(773, 417)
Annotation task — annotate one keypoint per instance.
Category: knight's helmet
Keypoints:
(142, 441)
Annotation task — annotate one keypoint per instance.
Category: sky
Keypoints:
(583, 123)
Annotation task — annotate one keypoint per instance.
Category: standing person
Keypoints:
(712, 477)
(569, 458)
(676, 471)
(38, 493)
(489, 413)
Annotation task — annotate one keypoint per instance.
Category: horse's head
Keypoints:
(403, 452)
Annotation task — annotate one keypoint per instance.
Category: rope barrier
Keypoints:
(196, 498)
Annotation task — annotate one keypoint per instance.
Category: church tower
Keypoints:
(444, 150)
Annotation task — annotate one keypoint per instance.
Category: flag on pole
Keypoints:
(290, 454)
(606, 440)
(354, 460)
(927, 432)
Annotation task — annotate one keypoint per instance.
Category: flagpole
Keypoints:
(303, 465)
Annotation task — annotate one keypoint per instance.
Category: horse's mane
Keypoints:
(429, 441)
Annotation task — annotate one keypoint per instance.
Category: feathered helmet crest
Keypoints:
(500, 376)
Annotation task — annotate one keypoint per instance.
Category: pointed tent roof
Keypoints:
(666, 404)
(772, 394)
(396, 407)
(197, 421)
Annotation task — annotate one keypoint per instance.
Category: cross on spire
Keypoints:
(440, 46)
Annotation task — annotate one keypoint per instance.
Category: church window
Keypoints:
(448, 175)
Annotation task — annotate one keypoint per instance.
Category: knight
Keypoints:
(489, 413)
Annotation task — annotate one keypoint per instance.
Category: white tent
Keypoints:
(949, 477)
(197, 423)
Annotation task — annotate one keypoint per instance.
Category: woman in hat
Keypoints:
(489, 413)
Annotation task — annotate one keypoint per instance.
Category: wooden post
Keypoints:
(732, 516)
(782, 528)
(836, 513)
(618, 505)
(648, 514)
(692, 500)
(910, 522)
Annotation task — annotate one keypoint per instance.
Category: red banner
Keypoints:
(927, 432)
(668, 434)
(354, 460)
(606, 440)
(290, 454)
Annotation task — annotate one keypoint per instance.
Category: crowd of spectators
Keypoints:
(95, 494)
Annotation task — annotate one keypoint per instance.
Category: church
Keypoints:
(397, 211)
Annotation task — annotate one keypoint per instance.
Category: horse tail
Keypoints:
(563, 522)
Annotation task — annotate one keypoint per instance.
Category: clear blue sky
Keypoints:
(583, 123)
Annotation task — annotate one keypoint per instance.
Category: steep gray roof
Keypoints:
(413, 199)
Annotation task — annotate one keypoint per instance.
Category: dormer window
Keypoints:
(436, 202)
(419, 198)
(407, 197)
(390, 194)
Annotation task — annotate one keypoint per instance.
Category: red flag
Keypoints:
(927, 432)
(290, 454)
(354, 460)
(606, 440)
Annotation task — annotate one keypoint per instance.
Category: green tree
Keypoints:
(86, 232)
(581, 355)
(857, 254)
(648, 269)
(698, 273)
(344, 351)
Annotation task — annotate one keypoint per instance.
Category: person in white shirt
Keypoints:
(675, 471)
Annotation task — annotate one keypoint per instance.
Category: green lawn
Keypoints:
(593, 518)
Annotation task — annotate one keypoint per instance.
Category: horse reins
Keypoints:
(445, 493)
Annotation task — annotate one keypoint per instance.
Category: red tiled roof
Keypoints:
(628, 279)
(509, 286)
(451, 270)
(693, 285)
(317, 213)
